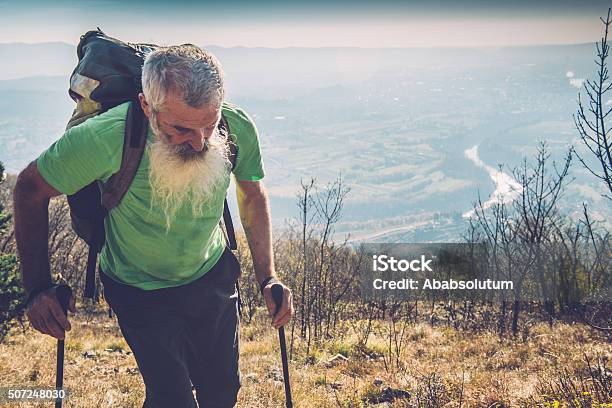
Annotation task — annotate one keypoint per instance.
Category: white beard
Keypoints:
(178, 174)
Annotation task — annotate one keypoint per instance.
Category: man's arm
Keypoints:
(255, 217)
(31, 200)
(31, 218)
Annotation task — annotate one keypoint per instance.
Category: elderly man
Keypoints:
(165, 268)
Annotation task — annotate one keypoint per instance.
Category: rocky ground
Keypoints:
(424, 366)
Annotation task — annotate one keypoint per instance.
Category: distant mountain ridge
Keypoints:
(40, 59)
(59, 58)
(36, 83)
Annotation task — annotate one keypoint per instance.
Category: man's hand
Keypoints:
(286, 310)
(46, 315)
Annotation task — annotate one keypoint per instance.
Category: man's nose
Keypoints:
(197, 139)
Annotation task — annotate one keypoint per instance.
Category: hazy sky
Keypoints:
(309, 24)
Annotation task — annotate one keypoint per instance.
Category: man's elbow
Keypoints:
(259, 200)
(253, 193)
(31, 185)
(253, 203)
(24, 185)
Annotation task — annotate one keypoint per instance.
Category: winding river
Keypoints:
(506, 188)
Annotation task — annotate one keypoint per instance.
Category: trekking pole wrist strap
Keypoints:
(266, 282)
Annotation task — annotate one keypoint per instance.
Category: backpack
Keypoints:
(108, 74)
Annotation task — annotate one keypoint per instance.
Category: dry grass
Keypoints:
(439, 367)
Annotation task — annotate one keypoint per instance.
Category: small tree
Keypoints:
(12, 297)
(4, 218)
(592, 124)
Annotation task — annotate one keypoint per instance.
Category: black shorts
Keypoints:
(184, 335)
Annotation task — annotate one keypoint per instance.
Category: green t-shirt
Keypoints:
(139, 251)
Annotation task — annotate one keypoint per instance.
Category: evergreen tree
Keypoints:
(4, 217)
(12, 296)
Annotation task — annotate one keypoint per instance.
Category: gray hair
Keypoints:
(195, 74)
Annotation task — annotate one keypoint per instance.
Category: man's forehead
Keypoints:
(191, 118)
(193, 121)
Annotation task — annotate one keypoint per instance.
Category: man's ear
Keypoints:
(144, 105)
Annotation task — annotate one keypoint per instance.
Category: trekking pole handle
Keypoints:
(277, 295)
(63, 293)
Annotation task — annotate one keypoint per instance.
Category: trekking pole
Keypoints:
(277, 295)
(63, 293)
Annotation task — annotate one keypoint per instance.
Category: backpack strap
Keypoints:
(91, 289)
(230, 235)
(233, 148)
(227, 216)
(136, 128)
